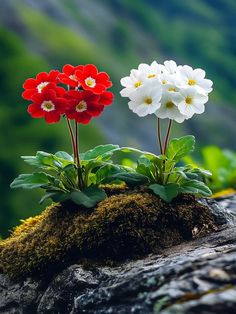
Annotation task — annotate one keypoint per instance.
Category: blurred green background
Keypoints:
(116, 35)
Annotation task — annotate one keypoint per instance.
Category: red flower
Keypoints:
(48, 105)
(82, 106)
(92, 80)
(106, 98)
(68, 76)
(43, 80)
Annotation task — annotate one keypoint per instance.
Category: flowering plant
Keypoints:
(175, 93)
(168, 91)
(69, 177)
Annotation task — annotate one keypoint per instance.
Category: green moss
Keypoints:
(126, 225)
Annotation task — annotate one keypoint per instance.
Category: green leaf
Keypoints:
(214, 158)
(180, 147)
(59, 196)
(56, 196)
(106, 171)
(47, 161)
(144, 161)
(64, 155)
(130, 178)
(100, 152)
(40, 160)
(202, 172)
(46, 196)
(195, 187)
(32, 181)
(137, 151)
(146, 168)
(89, 197)
(167, 192)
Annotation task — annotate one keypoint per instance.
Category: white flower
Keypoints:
(165, 78)
(137, 78)
(146, 99)
(169, 67)
(169, 107)
(132, 82)
(150, 71)
(168, 90)
(196, 78)
(192, 102)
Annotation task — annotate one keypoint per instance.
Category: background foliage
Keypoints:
(116, 35)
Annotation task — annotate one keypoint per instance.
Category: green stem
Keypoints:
(169, 174)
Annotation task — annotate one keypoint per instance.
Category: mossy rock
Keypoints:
(126, 225)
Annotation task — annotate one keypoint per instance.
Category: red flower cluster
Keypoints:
(85, 96)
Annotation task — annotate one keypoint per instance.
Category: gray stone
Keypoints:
(195, 277)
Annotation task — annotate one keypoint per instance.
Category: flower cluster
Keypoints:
(84, 97)
(168, 90)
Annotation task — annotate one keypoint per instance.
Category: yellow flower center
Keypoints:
(48, 105)
(90, 82)
(137, 84)
(164, 81)
(169, 104)
(191, 82)
(82, 106)
(41, 86)
(172, 89)
(151, 75)
(189, 100)
(148, 101)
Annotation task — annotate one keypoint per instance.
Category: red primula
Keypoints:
(85, 99)
(42, 81)
(92, 80)
(82, 106)
(68, 76)
(48, 105)
(106, 98)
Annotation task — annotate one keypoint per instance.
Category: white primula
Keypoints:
(192, 102)
(138, 77)
(169, 67)
(132, 82)
(165, 78)
(168, 90)
(146, 100)
(169, 107)
(150, 71)
(195, 78)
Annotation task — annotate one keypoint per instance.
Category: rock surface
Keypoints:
(195, 277)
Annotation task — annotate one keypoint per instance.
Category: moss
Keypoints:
(224, 193)
(126, 225)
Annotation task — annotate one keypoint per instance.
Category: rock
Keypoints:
(59, 296)
(197, 276)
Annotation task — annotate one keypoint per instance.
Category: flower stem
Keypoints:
(79, 168)
(167, 136)
(72, 138)
(159, 135)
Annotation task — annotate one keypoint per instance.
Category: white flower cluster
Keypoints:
(168, 91)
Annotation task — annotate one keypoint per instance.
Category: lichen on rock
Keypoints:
(126, 225)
